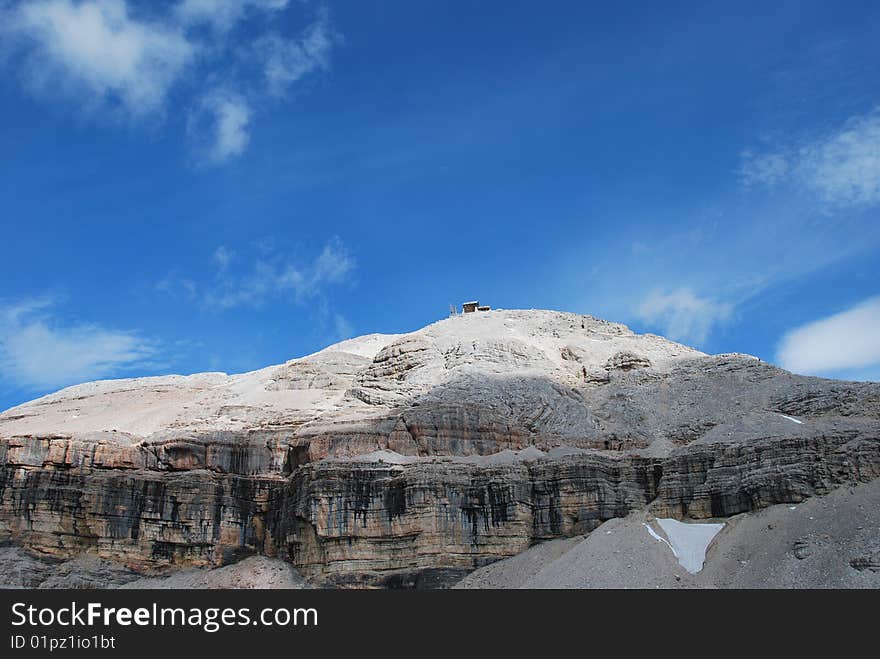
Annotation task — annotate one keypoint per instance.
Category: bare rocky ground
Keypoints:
(831, 541)
(22, 569)
(19, 569)
(252, 573)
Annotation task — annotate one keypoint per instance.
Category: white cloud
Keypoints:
(845, 341)
(251, 290)
(219, 126)
(763, 168)
(841, 168)
(332, 265)
(344, 329)
(37, 352)
(174, 285)
(286, 61)
(223, 257)
(683, 315)
(222, 15)
(97, 46)
(130, 57)
(273, 277)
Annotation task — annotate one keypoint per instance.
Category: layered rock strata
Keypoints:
(407, 461)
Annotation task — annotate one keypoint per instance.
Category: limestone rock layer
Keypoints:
(410, 460)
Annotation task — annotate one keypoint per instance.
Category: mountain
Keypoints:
(411, 460)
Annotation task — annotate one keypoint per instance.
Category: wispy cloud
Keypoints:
(223, 256)
(705, 265)
(131, 59)
(174, 285)
(344, 329)
(98, 47)
(848, 340)
(39, 352)
(275, 277)
(683, 315)
(841, 168)
(267, 276)
(333, 264)
(222, 15)
(285, 61)
(219, 126)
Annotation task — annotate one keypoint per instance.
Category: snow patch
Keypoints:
(688, 542)
(382, 455)
(791, 418)
(506, 456)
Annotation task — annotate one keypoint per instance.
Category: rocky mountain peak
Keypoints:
(478, 434)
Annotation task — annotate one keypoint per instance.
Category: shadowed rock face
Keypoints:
(410, 460)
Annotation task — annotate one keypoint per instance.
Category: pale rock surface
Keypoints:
(513, 361)
(19, 569)
(409, 460)
(255, 572)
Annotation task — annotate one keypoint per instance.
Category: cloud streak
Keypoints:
(285, 61)
(222, 15)
(98, 48)
(705, 265)
(132, 59)
(39, 352)
(841, 168)
(683, 315)
(848, 340)
(270, 276)
(275, 278)
(219, 127)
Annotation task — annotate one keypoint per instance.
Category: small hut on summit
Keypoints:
(471, 307)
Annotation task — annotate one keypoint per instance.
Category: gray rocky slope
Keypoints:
(411, 460)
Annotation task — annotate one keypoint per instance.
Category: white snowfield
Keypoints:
(561, 347)
(688, 541)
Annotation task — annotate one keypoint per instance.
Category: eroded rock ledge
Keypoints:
(356, 523)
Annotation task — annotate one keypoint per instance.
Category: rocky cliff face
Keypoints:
(410, 460)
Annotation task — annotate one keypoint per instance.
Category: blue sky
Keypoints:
(198, 185)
